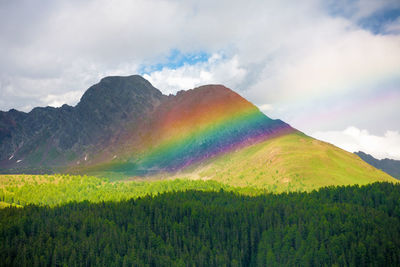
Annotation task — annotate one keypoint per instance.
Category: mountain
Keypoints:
(191, 127)
(128, 122)
(389, 166)
(48, 138)
(124, 127)
(290, 162)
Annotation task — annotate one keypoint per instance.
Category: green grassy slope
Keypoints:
(293, 162)
(52, 190)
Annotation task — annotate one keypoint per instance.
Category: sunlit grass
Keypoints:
(293, 162)
(54, 190)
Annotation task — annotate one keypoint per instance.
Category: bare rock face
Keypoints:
(47, 138)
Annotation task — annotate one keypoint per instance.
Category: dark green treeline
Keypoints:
(337, 226)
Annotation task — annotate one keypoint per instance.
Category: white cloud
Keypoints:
(353, 139)
(393, 27)
(216, 70)
(59, 100)
(266, 107)
(333, 59)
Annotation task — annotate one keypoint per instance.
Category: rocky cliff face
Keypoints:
(50, 137)
(127, 122)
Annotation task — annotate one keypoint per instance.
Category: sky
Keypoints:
(330, 68)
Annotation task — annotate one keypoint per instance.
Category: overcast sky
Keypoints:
(329, 68)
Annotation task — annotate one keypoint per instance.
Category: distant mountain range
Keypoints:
(389, 166)
(124, 126)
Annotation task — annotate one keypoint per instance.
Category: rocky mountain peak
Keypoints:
(118, 91)
(121, 117)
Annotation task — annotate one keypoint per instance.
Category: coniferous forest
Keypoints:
(334, 226)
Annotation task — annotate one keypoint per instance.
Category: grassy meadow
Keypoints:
(293, 162)
(52, 190)
(290, 163)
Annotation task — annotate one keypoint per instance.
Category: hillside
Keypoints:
(291, 162)
(124, 128)
(189, 128)
(52, 190)
(390, 166)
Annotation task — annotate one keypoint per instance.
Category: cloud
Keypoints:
(353, 139)
(304, 59)
(216, 70)
(59, 100)
(393, 27)
(266, 107)
(334, 64)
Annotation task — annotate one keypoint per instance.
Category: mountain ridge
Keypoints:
(390, 166)
(123, 127)
(75, 130)
(113, 118)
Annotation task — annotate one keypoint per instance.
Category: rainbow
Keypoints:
(197, 125)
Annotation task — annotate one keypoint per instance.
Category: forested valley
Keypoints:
(334, 226)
